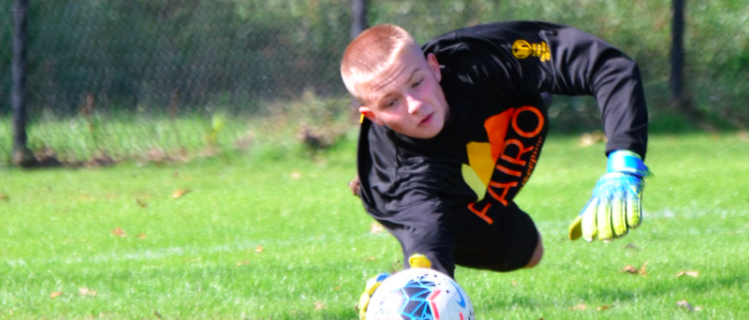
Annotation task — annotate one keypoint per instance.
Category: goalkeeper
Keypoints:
(452, 130)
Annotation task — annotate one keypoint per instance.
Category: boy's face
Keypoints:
(408, 97)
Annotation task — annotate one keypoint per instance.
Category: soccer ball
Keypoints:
(420, 294)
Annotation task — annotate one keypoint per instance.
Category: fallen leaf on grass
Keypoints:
(693, 274)
(376, 228)
(632, 270)
(743, 135)
(684, 304)
(629, 269)
(579, 307)
(296, 174)
(396, 266)
(370, 258)
(180, 193)
(319, 305)
(4, 197)
(141, 236)
(514, 283)
(87, 292)
(55, 294)
(243, 263)
(141, 203)
(604, 307)
(589, 139)
(259, 249)
(119, 232)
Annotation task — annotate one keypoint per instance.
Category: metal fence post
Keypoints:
(677, 52)
(21, 153)
(359, 13)
(358, 25)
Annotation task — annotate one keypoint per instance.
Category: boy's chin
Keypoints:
(425, 134)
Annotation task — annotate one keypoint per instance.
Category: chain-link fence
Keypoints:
(125, 78)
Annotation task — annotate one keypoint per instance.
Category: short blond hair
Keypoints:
(372, 53)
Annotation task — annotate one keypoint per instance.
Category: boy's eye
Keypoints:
(391, 103)
(417, 83)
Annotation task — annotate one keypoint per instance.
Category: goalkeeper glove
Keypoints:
(416, 260)
(372, 285)
(616, 204)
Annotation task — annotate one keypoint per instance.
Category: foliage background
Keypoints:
(94, 64)
(167, 80)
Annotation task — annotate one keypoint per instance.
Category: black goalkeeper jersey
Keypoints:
(493, 76)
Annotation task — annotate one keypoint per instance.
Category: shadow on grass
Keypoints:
(652, 291)
(656, 289)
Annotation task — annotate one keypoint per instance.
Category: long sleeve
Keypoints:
(533, 57)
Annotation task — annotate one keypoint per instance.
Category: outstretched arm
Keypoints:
(535, 57)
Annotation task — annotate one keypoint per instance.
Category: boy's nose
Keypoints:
(414, 104)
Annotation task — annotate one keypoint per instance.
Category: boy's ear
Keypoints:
(434, 65)
(366, 112)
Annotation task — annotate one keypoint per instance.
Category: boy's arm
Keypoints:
(588, 65)
(535, 57)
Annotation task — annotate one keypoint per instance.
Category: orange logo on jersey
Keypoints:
(507, 156)
(522, 49)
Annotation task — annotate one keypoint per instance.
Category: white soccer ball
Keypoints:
(420, 294)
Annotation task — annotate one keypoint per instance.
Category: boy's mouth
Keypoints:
(426, 120)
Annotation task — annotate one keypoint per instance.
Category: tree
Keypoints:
(677, 54)
(21, 153)
(681, 102)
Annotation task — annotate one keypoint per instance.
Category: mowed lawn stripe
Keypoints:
(261, 237)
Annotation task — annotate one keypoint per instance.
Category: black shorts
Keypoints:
(467, 240)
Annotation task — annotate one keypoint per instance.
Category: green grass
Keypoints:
(139, 135)
(197, 257)
(133, 135)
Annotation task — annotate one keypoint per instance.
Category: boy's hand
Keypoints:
(616, 205)
(355, 186)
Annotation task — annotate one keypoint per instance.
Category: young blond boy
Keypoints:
(452, 131)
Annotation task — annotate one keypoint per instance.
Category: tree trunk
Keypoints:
(21, 153)
(681, 101)
(677, 53)
(359, 14)
(358, 25)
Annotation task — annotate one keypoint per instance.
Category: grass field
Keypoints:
(263, 236)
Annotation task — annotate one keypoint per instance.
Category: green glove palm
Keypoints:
(616, 204)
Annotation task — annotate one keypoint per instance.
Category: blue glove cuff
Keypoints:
(627, 162)
(382, 276)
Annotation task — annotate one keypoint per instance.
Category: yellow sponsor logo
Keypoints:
(522, 49)
(512, 156)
